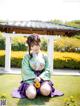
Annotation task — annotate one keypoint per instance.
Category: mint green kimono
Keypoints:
(39, 62)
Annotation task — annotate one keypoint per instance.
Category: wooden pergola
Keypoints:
(44, 29)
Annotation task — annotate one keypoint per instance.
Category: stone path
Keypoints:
(55, 71)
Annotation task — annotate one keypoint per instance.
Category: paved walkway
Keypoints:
(55, 71)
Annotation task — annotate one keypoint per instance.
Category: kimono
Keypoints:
(38, 63)
(33, 67)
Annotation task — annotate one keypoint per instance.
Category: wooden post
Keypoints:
(7, 53)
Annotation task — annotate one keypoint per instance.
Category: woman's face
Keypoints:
(35, 48)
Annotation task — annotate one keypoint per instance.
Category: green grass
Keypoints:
(70, 85)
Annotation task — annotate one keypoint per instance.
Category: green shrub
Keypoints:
(77, 36)
(61, 60)
(18, 47)
(2, 61)
(2, 43)
(64, 44)
(62, 64)
(67, 44)
(43, 44)
(16, 62)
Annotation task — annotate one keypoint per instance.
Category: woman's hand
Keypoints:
(37, 82)
(37, 79)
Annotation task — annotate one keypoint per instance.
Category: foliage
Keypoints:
(66, 60)
(77, 36)
(19, 47)
(67, 44)
(44, 44)
(61, 59)
(57, 21)
(2, 43)
(75, 23)
(1, 35)
(19, 44)
(71, 101)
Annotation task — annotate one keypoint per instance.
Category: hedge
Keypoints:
(2, 43)
(61, 60)
(64, 44)
(66, 60)
(18, 44)
(62, 64)
(67, 44)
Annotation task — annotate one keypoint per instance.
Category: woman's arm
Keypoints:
(46, 74)
(27, 73)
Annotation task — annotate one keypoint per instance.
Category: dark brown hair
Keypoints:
(33, 39)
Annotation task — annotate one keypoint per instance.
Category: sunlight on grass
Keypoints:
(70, 85)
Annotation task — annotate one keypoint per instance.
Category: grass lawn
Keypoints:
(70, 85)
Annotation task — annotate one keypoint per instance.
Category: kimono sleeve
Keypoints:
(27, 73)
(46, 74)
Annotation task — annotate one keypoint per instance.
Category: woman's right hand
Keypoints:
(37, 82)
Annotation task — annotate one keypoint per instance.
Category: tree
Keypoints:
(57, 21)
(75, 23)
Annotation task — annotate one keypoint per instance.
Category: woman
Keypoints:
(35, 73)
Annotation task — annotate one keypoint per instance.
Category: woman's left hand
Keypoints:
(37, 79)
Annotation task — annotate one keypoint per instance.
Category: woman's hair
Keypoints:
(32, 40)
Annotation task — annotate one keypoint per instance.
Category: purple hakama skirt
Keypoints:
(21, 91)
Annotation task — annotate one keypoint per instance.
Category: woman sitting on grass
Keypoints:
(35, 73)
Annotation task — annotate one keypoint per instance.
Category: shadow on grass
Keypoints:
(40, 100)
(2, 74)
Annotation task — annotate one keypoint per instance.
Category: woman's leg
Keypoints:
(31, 92)
(45, 89)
